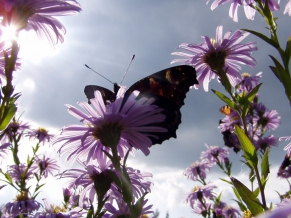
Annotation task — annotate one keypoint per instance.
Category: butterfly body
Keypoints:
(168, 87)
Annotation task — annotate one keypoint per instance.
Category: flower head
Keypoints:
(214, 154)
(41, 134)
(197, 170)
(20, 172)
(223, 53)
(288, 8)
(38, 15)
(22, 205)
(200, 194)
(122, 124)
(47, 166)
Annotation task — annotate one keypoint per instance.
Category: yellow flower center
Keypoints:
(23, 196)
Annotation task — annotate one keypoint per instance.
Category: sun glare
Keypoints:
(8, 34)
(33, 48)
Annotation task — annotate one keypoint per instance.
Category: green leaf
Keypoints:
(257, 192)
(265, 166)
(8, 114)
(263, 37)
(115, 178)
(224, 180)
(126, 186)
(287, 54)
(253, 203)
(90, 212)
(137, 208)
(283, 76)
(224, 98)
(236, 194)
(247, 146)
(249, 98)
(241, 205)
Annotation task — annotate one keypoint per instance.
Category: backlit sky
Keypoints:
(104, 36)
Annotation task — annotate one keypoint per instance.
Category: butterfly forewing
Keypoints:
(107, 95)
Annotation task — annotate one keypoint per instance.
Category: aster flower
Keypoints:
(227, 123)
(22, 205)
(214, 153)
(231, 212)
(38, 15)
(288, 8)
(122, 209)
(15, 128)
(47, 166)
(52, 211)
(269, 120)
(287, 147)
(197, 170)
(125, 124)
(249, 82)
(40, 134)
(20, 172)
(212, 56)
(202, 209)
(200, 194)
(266, 142)
(4, 149)
(284, 211)
(248, 7)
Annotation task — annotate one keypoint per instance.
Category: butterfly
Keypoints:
(167, 87)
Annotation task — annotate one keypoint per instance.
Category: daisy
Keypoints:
(121, 125)
(213, 55)
(38, 15)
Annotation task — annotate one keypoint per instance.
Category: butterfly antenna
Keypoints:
(127, 68)
(98, 74)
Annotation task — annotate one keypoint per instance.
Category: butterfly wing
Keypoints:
(107, 95)
(168, 87)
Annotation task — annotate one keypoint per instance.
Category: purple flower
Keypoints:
(40, 134)
(52, 211)
(47, 166)
(249, 82)
(201, 209)
(3, 149)
(266, 142)
(227, 123)
(231, 212)
(122, 209)
(125, 125)
(38, 15)
(22, 205)
(214, 153)
(284, 211)
(197, 170)
(20, 172)
(248, 7)
(200, 194)
(222, 53)
(269, 120)
(15, 128)
(287, 147)
(288, 8)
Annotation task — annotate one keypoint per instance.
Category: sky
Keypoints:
(104, 36)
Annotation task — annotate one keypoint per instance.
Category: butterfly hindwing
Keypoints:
(168, 87)
(106, 94)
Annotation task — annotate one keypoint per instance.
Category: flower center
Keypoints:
(23, 196)
(108, 133)
(215, 60)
